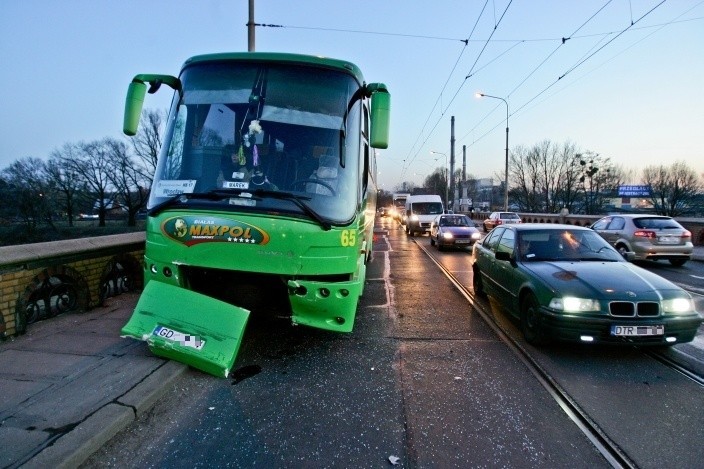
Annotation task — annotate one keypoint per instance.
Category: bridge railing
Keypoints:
(41, 280)
(694, 225)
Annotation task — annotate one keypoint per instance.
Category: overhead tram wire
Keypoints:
(434, 106)
(563, 41)
(516, 41)
(659, 27)
(613, 39)
(486, 43)
(356, 31)
(584, 60)
(579, 63)
(430, 114)
(465, 41)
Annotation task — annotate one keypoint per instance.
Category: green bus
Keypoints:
(262, 202)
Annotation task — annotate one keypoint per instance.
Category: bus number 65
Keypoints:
(348, 238)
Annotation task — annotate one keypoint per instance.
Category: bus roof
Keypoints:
(279, 57)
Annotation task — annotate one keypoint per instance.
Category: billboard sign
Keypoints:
(634, 191)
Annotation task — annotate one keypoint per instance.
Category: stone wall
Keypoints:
(41, 280)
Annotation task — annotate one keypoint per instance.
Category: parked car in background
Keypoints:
(453, 230)
(500, 218)
(650, 237)
(565, 282)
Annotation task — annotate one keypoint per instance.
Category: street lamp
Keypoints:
(446, 176)
(482, 95)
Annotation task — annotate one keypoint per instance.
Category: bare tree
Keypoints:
(436, 183)
(91, 164)
(66, 181)
(673, 189)
(542, 177)
(147, 143)
(28, 191)
(567, 190)
(129, 179)
(598, 181)
(523, 174)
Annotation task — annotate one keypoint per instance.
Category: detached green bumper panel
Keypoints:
(188, 327)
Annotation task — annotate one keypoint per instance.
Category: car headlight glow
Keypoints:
(413, 217)
(677, 305)
(476, 235)
(447, 235)
(573, 304)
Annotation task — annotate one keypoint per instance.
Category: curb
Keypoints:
(76, 446)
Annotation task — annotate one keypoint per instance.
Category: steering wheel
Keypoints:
(314, 181)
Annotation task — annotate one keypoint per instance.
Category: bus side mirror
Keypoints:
(133, 107)
(380, 117)
(135, 97)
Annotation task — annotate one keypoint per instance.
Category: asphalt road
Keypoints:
(423, 379)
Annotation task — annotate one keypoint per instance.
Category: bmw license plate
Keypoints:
(186, 340)
(631, 331)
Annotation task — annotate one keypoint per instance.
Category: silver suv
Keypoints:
(650, 237)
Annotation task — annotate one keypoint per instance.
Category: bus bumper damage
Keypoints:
(329, 306)
(188, 327)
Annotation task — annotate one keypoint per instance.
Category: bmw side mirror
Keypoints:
(503, 256)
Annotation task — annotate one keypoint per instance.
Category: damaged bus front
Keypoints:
(262, 202)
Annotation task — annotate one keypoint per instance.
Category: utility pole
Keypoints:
(464, 163)
(463, 184)
(250, 27)
(452, 161)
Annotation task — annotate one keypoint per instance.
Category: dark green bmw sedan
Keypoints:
(566, 283)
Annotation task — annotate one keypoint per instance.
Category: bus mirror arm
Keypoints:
(135, 97)
(155, 81)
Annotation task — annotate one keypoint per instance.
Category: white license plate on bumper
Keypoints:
(461, 241)
(631, 331)
(186, 340)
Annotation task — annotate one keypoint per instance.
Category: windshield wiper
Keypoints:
(184, 197)
(219, 194)
(298, 201)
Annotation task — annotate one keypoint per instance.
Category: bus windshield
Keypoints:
(244, 127)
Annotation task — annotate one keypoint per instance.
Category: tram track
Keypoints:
(608, 448)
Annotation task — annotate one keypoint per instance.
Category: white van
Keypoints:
(421, 210)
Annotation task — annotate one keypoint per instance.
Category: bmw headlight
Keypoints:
(573, 304)
(678, 305)
(447, 235)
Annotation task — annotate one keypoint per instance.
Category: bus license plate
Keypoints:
(630, 331)
(186, 340)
